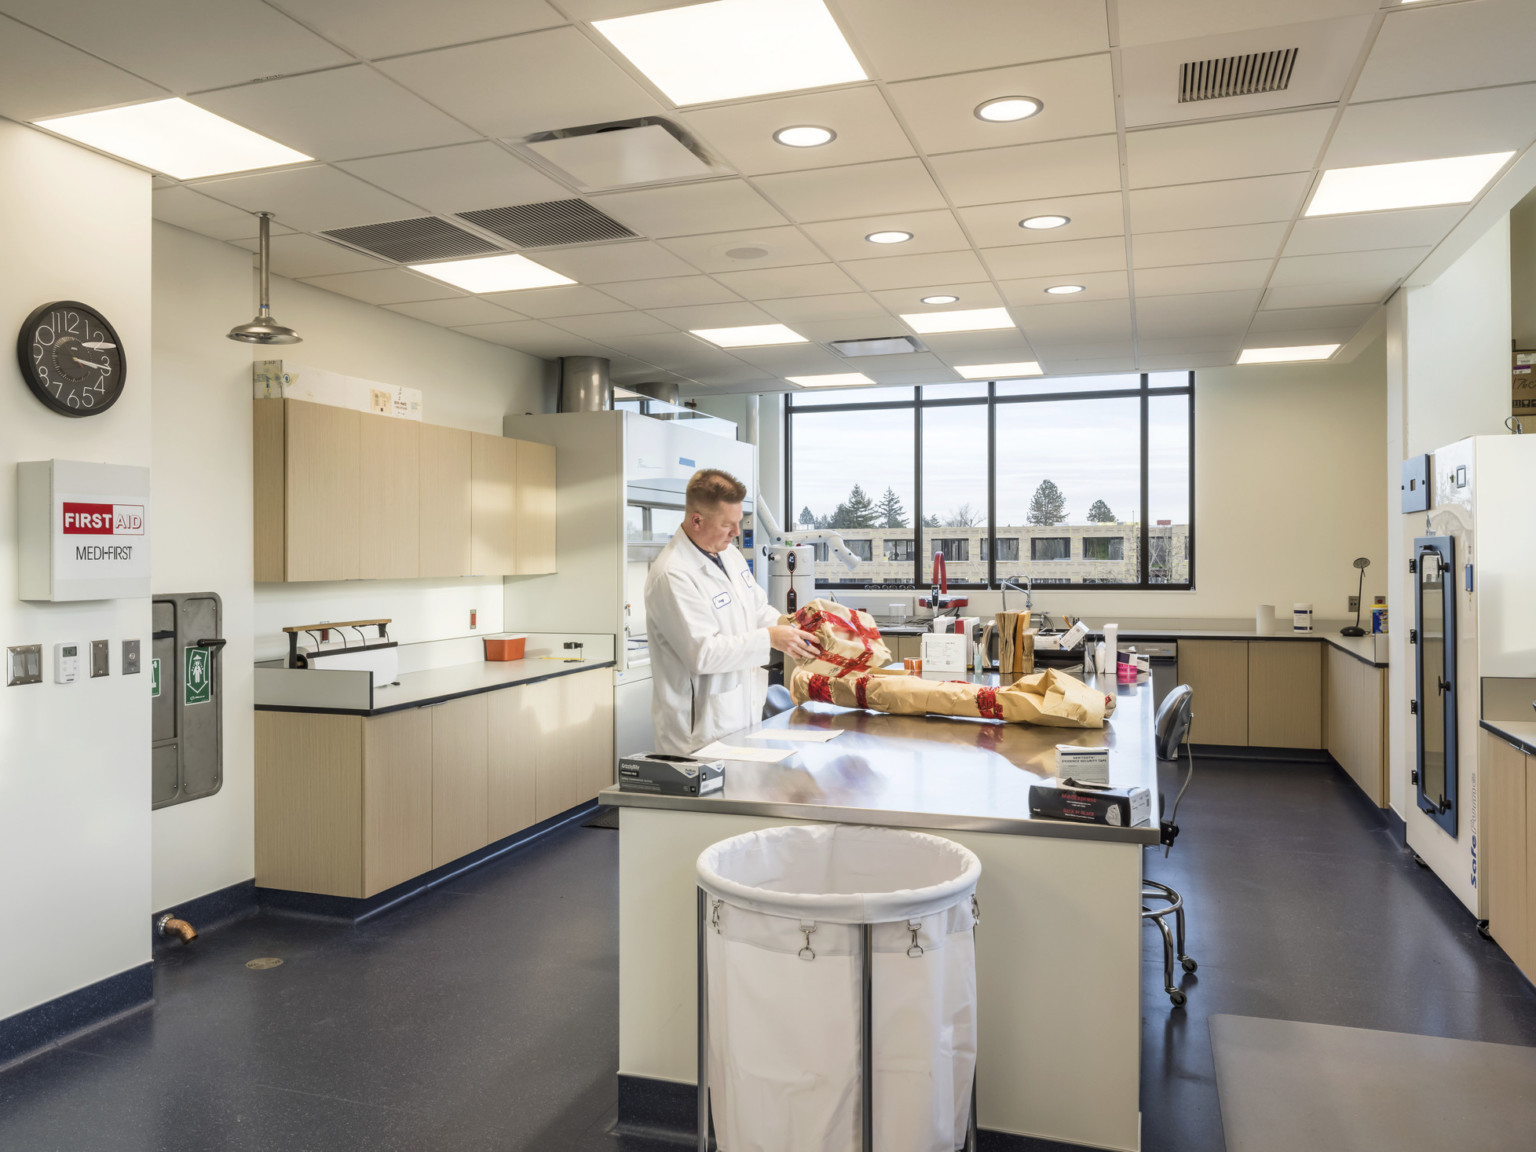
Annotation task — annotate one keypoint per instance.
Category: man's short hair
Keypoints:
(710, 487)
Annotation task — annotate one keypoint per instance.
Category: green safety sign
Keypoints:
(154, 677)
(198, 682)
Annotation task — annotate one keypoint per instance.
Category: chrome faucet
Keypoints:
(1028, 590)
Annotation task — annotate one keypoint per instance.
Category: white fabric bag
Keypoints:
(784, 958)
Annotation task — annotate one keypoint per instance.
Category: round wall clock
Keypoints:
(71, 358)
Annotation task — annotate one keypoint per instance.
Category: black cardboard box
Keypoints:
(1115, 807)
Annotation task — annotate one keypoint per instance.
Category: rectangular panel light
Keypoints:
(1286, 355)
(999, 371)
(494, 274)
(734, 48)
(750, 336)
(962, 320)
(1412, 184)
(174, 137)
(833, 380)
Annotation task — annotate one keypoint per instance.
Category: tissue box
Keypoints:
(666, 775)
(1116, 807)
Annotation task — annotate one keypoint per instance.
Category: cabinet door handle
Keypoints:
(1442, 685)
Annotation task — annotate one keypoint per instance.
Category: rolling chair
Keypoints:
(778, 700)
(1171, 728)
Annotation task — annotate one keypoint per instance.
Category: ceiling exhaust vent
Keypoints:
(552, 222)
(878, 346)
(1236, 75)
(406, 241)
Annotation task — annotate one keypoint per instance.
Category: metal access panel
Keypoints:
(186, 686)
(1415, 484)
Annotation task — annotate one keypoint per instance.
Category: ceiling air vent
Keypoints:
(425, 238)
(552, 222)
(1236, 75)
(878, 346)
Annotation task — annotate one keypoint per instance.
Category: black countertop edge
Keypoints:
(428, 701)
(1526, 746)
(1175, 635)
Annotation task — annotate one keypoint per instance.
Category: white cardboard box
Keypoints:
(283, 379)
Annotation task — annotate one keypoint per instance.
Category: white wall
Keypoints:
(1522, 272)
(74, 775)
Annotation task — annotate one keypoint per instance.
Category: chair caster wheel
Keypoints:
(1178, 998)
(1189, 964)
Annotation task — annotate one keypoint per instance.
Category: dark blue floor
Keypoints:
(484, 1015)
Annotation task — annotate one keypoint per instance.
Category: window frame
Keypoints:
(1143, 391)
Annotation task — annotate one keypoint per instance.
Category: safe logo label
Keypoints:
(198, 680)
(154, 677)
(81, 519)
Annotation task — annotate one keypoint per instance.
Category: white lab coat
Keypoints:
(708, 635)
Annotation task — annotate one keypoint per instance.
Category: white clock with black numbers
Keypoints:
(71, 358)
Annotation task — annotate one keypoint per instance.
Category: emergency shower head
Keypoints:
(262, 329)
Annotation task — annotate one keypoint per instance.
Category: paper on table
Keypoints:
(719, 751)
(819, 735)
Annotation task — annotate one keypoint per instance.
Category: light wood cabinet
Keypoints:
(1508, 797)
(1217, 671)
(535, 550)
(460, 768)
(512, 720)
(397, 798)
(309, 803)
(1285, 694)
(308, 491)
(1355, 721)
(492, 505)
(444, 516)
(587, 700)
(390, 499)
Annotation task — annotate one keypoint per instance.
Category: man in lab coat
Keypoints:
(709, 623)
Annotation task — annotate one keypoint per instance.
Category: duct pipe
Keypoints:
(749, 429)
(665, 391)
(584, 384)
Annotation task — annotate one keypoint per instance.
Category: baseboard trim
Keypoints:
(667, 1110)
(207, 912)
(56, 1021)
(1268, 755)
(354, 911)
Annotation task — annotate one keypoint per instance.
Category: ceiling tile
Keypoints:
(1093, 348)
(696, 316)
(691, 209)
(1096, 286)
(916, 368)
(672, 292)
(795, 360)
(1371, 292)
(972, 294)
(568, 300)
(31, 64)
(908, 38)
(525, 84)
(777, 283)
(743, 133)
(1378, 264)
(1066, 258)
(1033, 171)
(1006, 344)
(1227, 149)
(1411, 227)
(1223, 203)
(779, 248)
(195, 212)
(459, 178)
(310, 199)
(1184, 354)
(297, 255)
(931, 232)
(997, 225)
(385, 286)
(456, 312)
(1220, 313)
(374, 28)
(604, 263)
(1077, 95)
(1409, 57)
(864, 328)
(916, 271)
(336, 114)
(1048, 320)
(1295, 319)
(1066, 366)
(677, 350)
(1201, 245)
(1428, 127)
(842, 306)
(1153, 21)
(1230, 276)
(1297, 337)
(607, 325)
(855, 190)
(535, 338)
(185, 45)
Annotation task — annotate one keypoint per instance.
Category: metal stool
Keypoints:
(1172, 728)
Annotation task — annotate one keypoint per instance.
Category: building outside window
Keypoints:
(1050, 547)
(1007, 548)
(863, 549)
(902, 550)
(1103, 547)
(955, 551)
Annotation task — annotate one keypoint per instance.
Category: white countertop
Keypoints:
(1520, 733)
(301, 690)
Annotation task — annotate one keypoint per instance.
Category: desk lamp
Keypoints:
(1354, 629)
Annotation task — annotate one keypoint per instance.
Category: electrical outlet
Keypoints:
(24, 664)
(101, 658)
(130, 657)
(1354, 604)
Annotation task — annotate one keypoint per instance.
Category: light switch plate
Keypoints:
(24, 664)
(101, 658)
(130, 657)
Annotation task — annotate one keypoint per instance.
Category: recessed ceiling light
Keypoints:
(1006, 108)
(494, 274)
(1413, 184)
(1064, 289)
(734, 48)
(1284, 355)
(750, 336)
(962, 320)
(940, 299)
(834, 380)
(1038, 222)
(174, 137)
(805, 136)
(892, 237)
(998, 371)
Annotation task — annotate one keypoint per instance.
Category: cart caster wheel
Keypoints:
(1482, 930)
(1189, 964)
(1178, 998)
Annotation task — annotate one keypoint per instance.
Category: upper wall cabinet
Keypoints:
(345, 495)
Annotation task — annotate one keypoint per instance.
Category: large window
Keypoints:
(1080, 481)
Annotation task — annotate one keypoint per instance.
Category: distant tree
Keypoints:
(827, 521)
(840, 518)
(1047, 506)
(890, 512)
(931, 522)
(963, 517)
(1100, 513)
(859, 510)
(807, 517)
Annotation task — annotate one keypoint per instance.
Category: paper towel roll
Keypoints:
(1111, 635)
(1264, 620)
